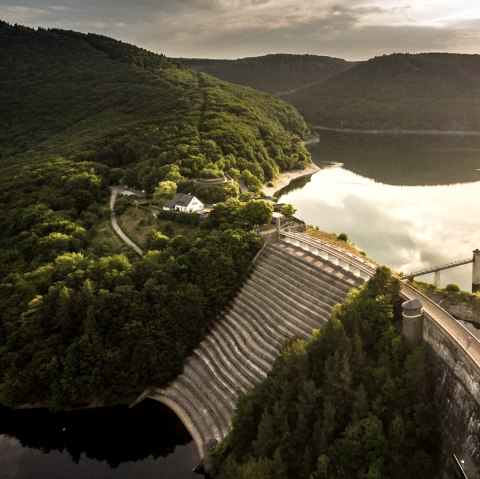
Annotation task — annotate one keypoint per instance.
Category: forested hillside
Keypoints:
(91, 98)
(275, 74)
(422, 91)
(78, 326)
(353, 402)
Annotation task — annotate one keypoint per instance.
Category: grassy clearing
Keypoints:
(332, 239)
(103, 241)
(449, 297)
(136, 223)
(171, 229)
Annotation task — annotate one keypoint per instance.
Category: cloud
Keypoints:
(353, 29)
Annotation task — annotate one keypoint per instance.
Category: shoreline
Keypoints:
(285, 178)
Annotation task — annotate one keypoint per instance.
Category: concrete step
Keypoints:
(265, 336)
(326, 276)
(291, 297)
(290, 269)
(237, 347)
(250, 336)
(305, 292)
(213, 391)
(276, 329)
(197, 368)
(239, 365)
(203, 403)
(279, 319)
(311, 258)
(214, 362)
(205, 394)
(299, 319)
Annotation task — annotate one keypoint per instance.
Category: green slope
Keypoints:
(78, 327)
(275, 74)
(92, 98)
(422, 91)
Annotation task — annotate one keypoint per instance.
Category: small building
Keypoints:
(185, 203)
(129, 194)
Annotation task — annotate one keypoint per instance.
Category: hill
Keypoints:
(78, 325)
(274, 74)
(92, 98)
(404, 91)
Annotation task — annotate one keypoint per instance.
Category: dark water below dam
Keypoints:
(147, 441)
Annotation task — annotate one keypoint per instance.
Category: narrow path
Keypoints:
(117, 228)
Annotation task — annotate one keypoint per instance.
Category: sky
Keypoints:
(350, 29)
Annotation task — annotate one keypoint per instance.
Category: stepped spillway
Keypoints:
(290, 292)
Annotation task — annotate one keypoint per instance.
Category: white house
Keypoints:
(184, 203)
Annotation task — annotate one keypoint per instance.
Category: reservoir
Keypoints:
(409, 203)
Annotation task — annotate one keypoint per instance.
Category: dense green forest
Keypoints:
(409, 91)
(403, 91)
(272, 73)
(78, 324)
(90, 98)
(353, 402)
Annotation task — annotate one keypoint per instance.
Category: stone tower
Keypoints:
(412, 327)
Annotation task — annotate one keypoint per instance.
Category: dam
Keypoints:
(294, 285)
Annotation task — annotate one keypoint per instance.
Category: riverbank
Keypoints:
(285, 178)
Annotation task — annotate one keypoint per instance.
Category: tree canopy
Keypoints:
(78, 324)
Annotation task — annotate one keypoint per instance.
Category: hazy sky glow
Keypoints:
(351, 29)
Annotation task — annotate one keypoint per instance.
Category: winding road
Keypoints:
(117, 228)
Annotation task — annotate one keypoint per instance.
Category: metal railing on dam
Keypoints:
(458, 334)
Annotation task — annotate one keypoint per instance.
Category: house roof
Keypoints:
(180, 199)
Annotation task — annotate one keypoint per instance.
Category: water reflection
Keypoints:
(97, 443)
(403, 159)
(406, 228)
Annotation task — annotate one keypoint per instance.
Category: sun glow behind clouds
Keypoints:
(352, 29)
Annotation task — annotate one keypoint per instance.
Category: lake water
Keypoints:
(406, 217)
(146, 441)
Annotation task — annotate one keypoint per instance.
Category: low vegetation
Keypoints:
(460, 304)
(353, 402)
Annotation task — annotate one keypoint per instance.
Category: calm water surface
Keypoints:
(407, 228)
(144, 442)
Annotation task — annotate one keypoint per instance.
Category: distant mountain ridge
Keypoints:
(276, 73)
(404, 91)
(422, 91)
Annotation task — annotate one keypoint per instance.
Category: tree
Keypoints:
(155, 240)
(164, 191)
(256, 213)
(288, 210)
